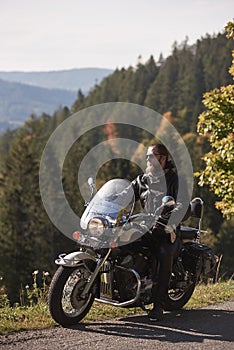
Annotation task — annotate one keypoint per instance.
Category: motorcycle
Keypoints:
(114, 263)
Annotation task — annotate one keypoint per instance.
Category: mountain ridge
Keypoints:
(66, 79)
(18, 101)
(24, 93)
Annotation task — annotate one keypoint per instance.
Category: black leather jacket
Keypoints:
(150, 190)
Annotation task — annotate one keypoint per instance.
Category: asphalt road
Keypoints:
(207, 328)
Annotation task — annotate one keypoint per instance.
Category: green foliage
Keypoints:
(230, 34)
(4, 300)
(217, 122)
(224, 247)
(28, 239)
(175, 84)
(230, 29)
(38, 292)
(16, 230)
(186, 75)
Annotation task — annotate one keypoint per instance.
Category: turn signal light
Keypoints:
(76, 235)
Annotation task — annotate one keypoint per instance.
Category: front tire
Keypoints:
(65, 303)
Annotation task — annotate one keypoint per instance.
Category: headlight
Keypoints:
(96, 227)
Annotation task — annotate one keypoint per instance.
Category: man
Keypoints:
(159, 180)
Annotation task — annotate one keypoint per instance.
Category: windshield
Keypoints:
(114, 198)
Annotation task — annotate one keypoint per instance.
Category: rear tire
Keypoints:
(175, 300)
(65, 304)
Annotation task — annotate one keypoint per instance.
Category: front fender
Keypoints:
(74, 258)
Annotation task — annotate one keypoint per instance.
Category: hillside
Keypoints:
(24, 93)
(71, 79)
(18, 101)
(175, 84)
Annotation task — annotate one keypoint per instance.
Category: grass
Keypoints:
(18, 318)
(211, 294)
(37, 316)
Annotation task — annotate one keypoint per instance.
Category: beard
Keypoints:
(150, 169)
(154, 171)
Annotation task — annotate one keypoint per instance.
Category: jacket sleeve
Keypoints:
(172, 186)
(184, 197)
(136, 184)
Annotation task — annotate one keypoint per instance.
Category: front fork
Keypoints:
(94, 275)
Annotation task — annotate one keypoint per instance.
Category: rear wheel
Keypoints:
(66, 305)
(178, 297)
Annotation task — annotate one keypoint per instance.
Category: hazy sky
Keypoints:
(62, 34)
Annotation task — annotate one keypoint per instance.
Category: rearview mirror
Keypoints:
(168, 201)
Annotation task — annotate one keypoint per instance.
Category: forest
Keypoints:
(174, 87)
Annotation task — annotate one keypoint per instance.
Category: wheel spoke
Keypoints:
(176, 294)
(72, 304)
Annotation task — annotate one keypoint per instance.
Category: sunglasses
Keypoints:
(152, 155)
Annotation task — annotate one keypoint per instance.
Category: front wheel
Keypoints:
(177, 298)
(66, 305)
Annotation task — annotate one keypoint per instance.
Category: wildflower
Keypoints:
(35, 272)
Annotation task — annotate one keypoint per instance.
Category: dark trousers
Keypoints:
(165, 252)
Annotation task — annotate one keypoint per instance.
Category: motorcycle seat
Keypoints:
(188, 232)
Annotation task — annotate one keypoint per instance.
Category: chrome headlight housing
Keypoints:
(96, 227)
